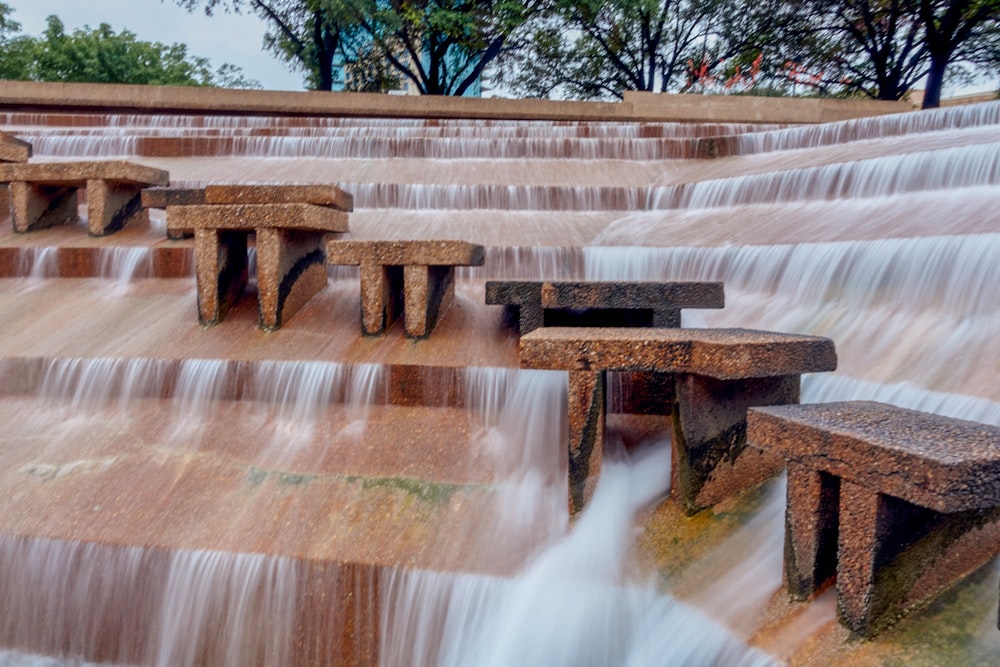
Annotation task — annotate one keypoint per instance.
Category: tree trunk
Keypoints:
(935, 77)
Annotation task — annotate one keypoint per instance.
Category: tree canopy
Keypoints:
(101, 55)
(310, 35)
(599, 50)
(882, 48)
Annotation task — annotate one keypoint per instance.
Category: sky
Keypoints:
(220, 38)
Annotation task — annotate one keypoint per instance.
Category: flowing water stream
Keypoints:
(879, 233)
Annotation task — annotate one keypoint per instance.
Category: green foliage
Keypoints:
(310, 35)
(599, 50)
(101, 55)
(882, 48)
(441, 46)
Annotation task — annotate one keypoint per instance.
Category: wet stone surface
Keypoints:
(908, 502)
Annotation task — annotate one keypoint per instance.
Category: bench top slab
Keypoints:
(632, 295)
(78, 173)
(401, 253)
(257, 216)
(13, 149)
(725, 354)
(164, 197)
(937, 462)
(320, 195)
(606, 294)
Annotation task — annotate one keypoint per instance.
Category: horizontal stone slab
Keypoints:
(320, 195)
(257, 216)
(623, 294)
(725, 354)
(401, 253)
(13, 149)
(937, 462)
(164, 197)
(78, 173)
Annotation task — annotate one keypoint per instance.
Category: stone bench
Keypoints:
(418, 276)
(895, 504)
(43, 194)
(161, 198)
(601, 304)
(290, 223)
(716, 374)
(13, 149)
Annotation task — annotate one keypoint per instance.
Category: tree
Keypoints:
(309, 34)
(441, 46)
(101, 55)
(599, 50)
(17, 56)
(959, 30)
(882, 48)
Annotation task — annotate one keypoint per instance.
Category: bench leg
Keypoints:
(711, 459)
(530, 316)
(893, 555)
(40, 206)
(381, 297)
(111, 206)
(666, 318)
(810, 530)
(221, 268)
(428, 291)
(586, 435)
(291, 269)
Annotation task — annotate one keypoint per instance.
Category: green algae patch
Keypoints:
(435, 493)
(671, 541)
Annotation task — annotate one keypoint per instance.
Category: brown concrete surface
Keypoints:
(329, 196)
(43, 194)
(638, 106)
(257, 216)
(601, 303)
(13, 149)
(415, 277)
(725, 354)
(911, 500)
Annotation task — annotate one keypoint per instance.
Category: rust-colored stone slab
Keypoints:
(13, 149)
(164, 197)
(719, 353)
(628, 295)
(257, 216)
(586, 418)
(523, 296)
(427, 293)
(321, 195)
(38, 206)
(419, 275)
(913, 500)
(712, 461)
(810, 530)
(894, 555)
(602, 303)
(933, 461)
(400, 253)
(717, 374)
(111, 205)
(43, 194)
(291, 269)
(221, 269)
(78, 173)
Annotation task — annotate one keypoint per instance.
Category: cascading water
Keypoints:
(238, 457)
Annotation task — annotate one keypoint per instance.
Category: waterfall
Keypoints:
(179, 495)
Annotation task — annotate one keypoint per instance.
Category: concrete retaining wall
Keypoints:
(109, 98)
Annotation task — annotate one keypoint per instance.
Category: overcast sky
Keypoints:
(220, 38)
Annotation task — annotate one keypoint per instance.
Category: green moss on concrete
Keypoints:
(436, 493)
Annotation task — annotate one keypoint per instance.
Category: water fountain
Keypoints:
(174, 495)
